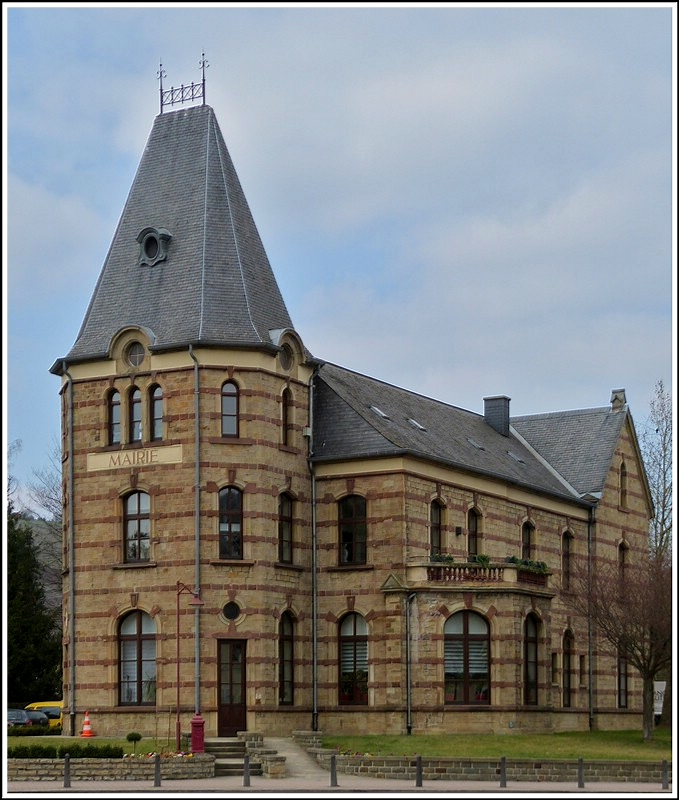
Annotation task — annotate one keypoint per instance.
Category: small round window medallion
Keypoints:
(231, 611)
(135, 354)
(285, 356)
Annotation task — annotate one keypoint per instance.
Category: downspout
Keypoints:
(196, 524)
(71, 553)
(409, 710)
(590, 646)
(314, 565)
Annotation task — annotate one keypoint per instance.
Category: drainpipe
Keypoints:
(196, 580)
(409, 712)
(71, 551)
(590, 546)
(314, 565)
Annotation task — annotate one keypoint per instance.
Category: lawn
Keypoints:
(597, 745)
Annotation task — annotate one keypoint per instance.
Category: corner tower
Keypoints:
(185, 409)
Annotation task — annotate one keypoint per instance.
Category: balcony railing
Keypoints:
(470, 573)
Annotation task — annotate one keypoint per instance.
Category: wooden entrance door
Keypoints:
(231, 716)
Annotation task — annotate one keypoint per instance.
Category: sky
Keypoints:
(463, 200)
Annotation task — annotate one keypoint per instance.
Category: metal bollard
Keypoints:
(156, 777)
(665, 776)
(503, 772)
(67, 771)
(333, 770)
(246, 770)
(418, 771)
(581, 774)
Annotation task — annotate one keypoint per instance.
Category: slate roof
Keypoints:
(216, 286)
(347, 426)
(578, 444)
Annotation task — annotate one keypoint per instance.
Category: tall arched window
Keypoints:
(352, 530)
(567, 675)
(566, 547)
(527, 544)
(622, 681)
(230, 523)
(435, 517)
(473, 532)
(286, 417)
(229, 409)
(622, 562)
(531, 630)
(285, 529)
(623, 485)
(156, 413)
(137, 524)
(467, 659)
(353, 660)
(114, 417)
(134, 415)
(137, 660)
(286, 659)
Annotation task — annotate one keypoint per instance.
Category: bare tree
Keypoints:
(631, 608)
(655, 439)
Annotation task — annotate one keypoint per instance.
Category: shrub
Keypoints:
(77, 750)
(134, 737)
(32, 751)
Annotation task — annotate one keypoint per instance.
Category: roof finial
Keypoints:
(160, 75)
(194, 91)
(203, 63)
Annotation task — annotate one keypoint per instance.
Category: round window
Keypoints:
(135, 354)
(286, 356)
(231, 611)
(151, 246)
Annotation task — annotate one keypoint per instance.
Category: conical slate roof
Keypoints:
(215, 285)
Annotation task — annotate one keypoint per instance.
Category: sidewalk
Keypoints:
(305, 776)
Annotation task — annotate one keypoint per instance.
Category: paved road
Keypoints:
(305, 776)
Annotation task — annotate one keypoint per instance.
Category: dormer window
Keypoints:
(153, 244)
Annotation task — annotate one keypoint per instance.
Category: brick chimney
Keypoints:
(496, 413)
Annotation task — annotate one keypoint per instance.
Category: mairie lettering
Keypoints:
(133, 458)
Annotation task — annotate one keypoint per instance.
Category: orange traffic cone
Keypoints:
(87, 726)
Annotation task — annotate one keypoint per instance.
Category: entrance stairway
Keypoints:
(229, 756)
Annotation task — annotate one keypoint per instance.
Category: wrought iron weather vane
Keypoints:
(183, 94)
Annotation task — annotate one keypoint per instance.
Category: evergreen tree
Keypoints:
(33, 633)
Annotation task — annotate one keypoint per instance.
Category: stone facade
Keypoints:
(163, 625)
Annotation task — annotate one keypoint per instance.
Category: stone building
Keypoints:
(257, 539)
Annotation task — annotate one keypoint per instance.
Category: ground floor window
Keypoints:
(467, 664)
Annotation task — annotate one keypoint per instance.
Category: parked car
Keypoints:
(17, 717)
(53, 709)
(39, 719)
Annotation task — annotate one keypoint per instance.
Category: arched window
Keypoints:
(134, 415)
(285, 529)
(622, 681)
(531, 630)
(114, 417)
(137, 523)
(286, 421)
(622, 561)
(567, 676)
(229, 409)
(566, 547)
(156, 413)
(353, 660)
(527, 543)
(230, 523)
(286, 659)
(473, 532)
(352, 530)
(623, 485)
(467, 659)
(137, 660)
(435, 517)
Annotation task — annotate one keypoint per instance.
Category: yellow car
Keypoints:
(53, 709)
